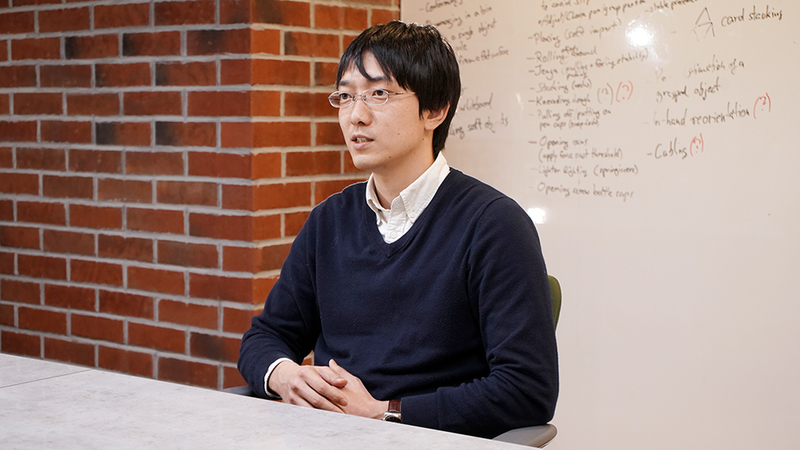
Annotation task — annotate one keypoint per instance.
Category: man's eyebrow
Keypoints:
(346, 82)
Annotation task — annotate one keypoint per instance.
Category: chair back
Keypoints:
(555, 297)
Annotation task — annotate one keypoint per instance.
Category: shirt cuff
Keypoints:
(272, 366)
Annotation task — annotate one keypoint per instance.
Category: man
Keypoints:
(421, 286)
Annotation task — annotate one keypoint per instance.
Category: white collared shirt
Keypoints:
(394, 222)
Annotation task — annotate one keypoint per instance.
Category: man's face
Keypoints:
(391, 139)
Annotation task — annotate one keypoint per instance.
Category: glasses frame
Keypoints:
(365, 96)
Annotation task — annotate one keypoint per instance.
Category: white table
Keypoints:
(52, 405)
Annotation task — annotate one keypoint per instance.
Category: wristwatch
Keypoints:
(393, 413)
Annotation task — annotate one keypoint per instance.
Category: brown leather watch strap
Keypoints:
(394, 406)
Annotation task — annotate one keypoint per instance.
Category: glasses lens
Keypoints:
(377, 96)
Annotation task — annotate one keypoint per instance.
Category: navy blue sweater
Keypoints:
(454, 318)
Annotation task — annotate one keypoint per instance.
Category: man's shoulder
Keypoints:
(475, 192)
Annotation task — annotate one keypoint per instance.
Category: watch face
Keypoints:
(392, 417)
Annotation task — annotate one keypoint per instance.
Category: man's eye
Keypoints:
(344, 96)
(380, 93)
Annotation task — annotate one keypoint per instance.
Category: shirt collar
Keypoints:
(416, 197)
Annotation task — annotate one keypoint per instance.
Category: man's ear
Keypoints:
(434, 118)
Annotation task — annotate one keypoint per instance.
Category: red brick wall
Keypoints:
(156, 159)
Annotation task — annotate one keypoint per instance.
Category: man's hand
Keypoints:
(359, 401)
(311, 386)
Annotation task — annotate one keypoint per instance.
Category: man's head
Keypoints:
(419, 60)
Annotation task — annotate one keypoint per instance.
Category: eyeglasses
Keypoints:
(374, 96)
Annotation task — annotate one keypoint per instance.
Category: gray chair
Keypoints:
(537, 436)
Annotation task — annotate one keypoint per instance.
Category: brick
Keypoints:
(187, 254)
(186, 193)
(216, 42)
(69, 76)
(7, 315)
(313, 163)
(123, 133)
(219, 103)
(93, 104)
(96, 46)
(212, 164)
(236, 196)
(17, 76)
(17, 22)
(38, 103)
(220, 226)
(292, 73)
(159, 338)
(166, 43)
(5, 102)
(231, 377)
(237, 320)
(281, 134)
(102, 217)
(220, 287)
(185, 13)
(72, 19)
(308, 104)
(245, 259)
(325, 74)
(121, 16)
(265, 103)
(187, 372)
(19, 183)
(281, 12)
(70, 297)
(128, 305)
(186, 74)
(122, 75)
(294, 222)
(133, 191)
(154, 163)
(82, 271)
(36, 266)
(41, 212)
(41, 159)
(17, 131)
(45, 320)
(74, 132)
(130, 248)
(218, 348)
(186, 134)
(151, 103)
(232, 71)
(155, 220)
(6, 210)
(267, 165)
(19, 237)
(100, 328)
(298, 43)
(6, 261)
(282, 195)
(20, 343)
(190, 314)
(236, 134)
(44, 48)
(127, 361)
(328, 133)
(156, 280)
(96, 161)
(57, 241)
(261, 288)
(67, 187)
(380, 16)
(69, 351)
(266, 227)
(340, 18)
(265, 42)
(20, 291)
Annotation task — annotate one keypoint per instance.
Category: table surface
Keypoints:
(53, 405)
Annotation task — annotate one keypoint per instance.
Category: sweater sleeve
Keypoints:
(289, 324)
(507, 282)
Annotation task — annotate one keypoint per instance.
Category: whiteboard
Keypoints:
(656, 145)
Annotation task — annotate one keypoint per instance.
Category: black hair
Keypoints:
(419, 59)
